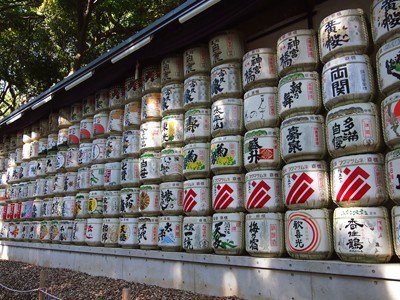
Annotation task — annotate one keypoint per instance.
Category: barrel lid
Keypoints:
(295, 33)
(359, 212)
(266, 132)
(227, 138)
(298, 76)
(302, 118)
(263, 174)
(265, 216)
(174, 184)
(172, 151)
(342, 13)
(362, 58)
(258, 51)
(319, 165)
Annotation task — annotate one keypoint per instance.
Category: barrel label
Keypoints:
(259, 196)
(189, 201)
(303, 233)
(354, 187)
(224, 196)
(301, 189)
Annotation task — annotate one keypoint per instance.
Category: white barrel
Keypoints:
(43, 146)
(261, 149)
(46, 208)
(66, 231)
(29, 170)
(343, 33)
(150, 167)
(347, 80)
(79, 231)
(390, 120)
(62, 138)
(264, 234)
(70, 183)
(88, 106)
(36, 208)
(49, 185)
(115, 121)
(24, 230)
(34, 231)
(353, 129)
(112, 201)
(101, 100)
(227, 117)
(309, 233)
(109, 232)
(362, 234)
(18, 153)
(116, 97)
(73, 135)
(44, 235)
(197, 125)
(96, 204)
(113, 148)
(61, 160)
(387, 58)
(299, 94)
(228, 193)
(130, 202)
(197, 234)
(52, 142)
(72, 159)
(100, 123)
(151, 107)
(197, 92)
(128, 232)
(263, 191)
(228, 233)
(85, 154)
(26, 152)
(172, 98)
(98, 150)
(358, 180)
(151, 78)
(260, 108)
(148, 233)
(297, 51)
(149, 199)
(305, 185)
(171, 164)
(172, 130)
(81, 205)
(132, 115)
(131, 143)
(196, 60)
(226, 154)
(259, 68)
(112, 175)
(171, 198)
(83, 179)
(226, 46)
(59, 181)
(170, 233)
(56, 207)
(150, 136)
(392, 168)
(93, 232)
(196, 160)
(303, 138)
(197, 197)
(172, 69)
(226, 81)
(396, 229)
(34, 150)
(97, 175)
(68, 207)
(36, 132)
(55, 231)
(384, 21)
(130, 172)
(75, 113)
(86, 130)
(133, 89)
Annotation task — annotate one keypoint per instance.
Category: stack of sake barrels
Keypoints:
(361, 229)
(385, 35)
(261, 154)
(305, 180)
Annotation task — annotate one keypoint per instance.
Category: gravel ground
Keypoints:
(70, 285)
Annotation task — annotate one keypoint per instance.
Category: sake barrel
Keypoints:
(392, 172)
(172, 98)
(384, 21)
(81, 205)
(132, 115)
(171, 198)
(55, 231)
(196, 160)
(260, 108)
(44, 235)
(171, 164)
(303, 138)
(130, 202)
(197, 125)
(68, 208)
(101, 100)
(305, 185)
(228, 193)
(34, 231)
(362, 234)
(131, 143)
(37, 209)
(347, 80)
(197, 92)
(76, 113)
(62, 138)
(66, 231)
(148, 233)
(297, 51)
(52, 142)
(113, 148)
(197, 197)
(196, 60)
(59, 181)
(97, 176)
(170, 233)
(228, 233)
(358, 180)
(172, 130)
(226, 81)
(299, 94)
(130, 172)
(60, 160)
(112, 201)
(93, 232)
(51, 162)
(112, 175)
(26, 152)
(36, 132)
(261, 149)
(151, 79)
(73, 135)
(396, 229)
(72, 159)
(343, 33)
(150, 136)
(43, 146)
(98, 150)
(133, 89)
(390, 120)
(128, 232)
(264, 234)
(259, 68)
(79, 231)
(309, 233)
(100, 122)
(46, 208)
(49, 185)
(149, 199)
(263, 191)
(88, 106)
(83, 182)
(109, 232)
(196, 236)
(96, 204)
(226, 46)
(150, 167)
(116, 97)
(34, 150)
(353, 129)
(172, 69)
(85, 154)
(226, 154)
(227, 117)
(86, 130)
(70, 183)
(115, 121)
(387, 59)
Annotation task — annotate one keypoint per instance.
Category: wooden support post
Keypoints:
(42, 284)
(126, 294)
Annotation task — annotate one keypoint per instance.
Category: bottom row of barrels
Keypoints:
(359, 234)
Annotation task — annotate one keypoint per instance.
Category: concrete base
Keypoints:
(244, 276)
